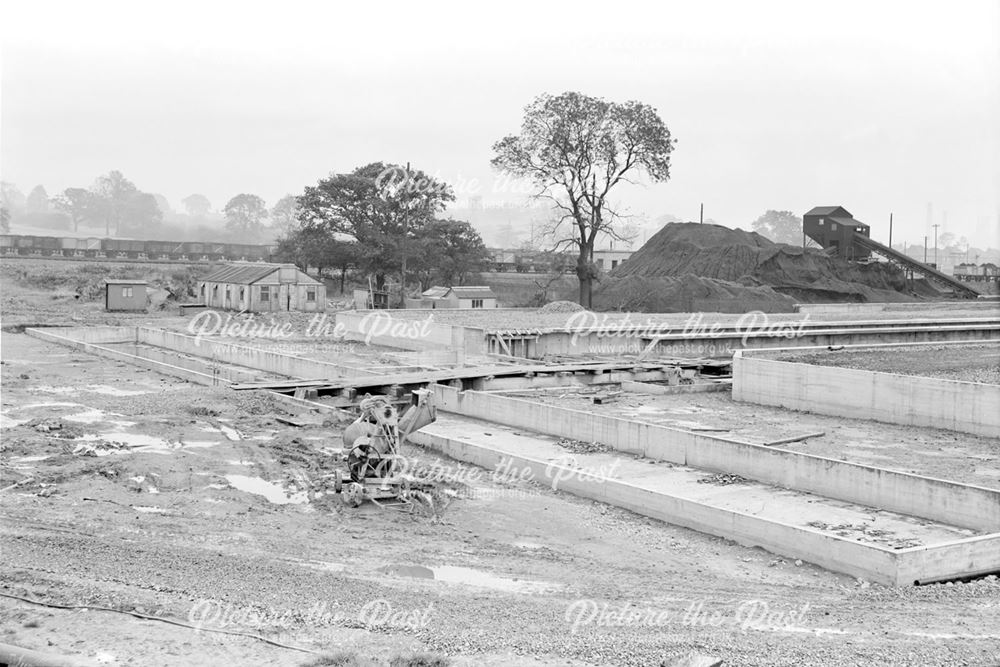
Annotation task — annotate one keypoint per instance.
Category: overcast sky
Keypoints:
(877, 106)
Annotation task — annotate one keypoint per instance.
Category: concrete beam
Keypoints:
(859, 559)
(967, 407)
(955, 504)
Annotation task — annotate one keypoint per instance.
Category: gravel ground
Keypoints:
(968, 363)
(80, 532)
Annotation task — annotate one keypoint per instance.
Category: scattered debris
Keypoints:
(797, 438)
(723, 479)
(581, 447)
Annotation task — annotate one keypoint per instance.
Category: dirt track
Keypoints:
(74, 535)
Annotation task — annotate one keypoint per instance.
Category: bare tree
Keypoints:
(576, 149)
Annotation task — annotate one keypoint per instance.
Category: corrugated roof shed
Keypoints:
(124, 281)
(435, 292)
(473, 292)
(241, 274)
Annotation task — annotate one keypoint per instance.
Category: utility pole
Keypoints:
(402, 242)
(890, 230)
(935, 226)
(701, 215)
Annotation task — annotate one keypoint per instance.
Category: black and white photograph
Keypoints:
(522, 334)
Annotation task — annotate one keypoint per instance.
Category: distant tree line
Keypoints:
(114, 206)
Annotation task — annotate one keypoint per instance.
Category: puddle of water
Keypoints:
(90, 416)
(274, 493)
(51, 404)
(228, 431)
(49, 389)
(108, 390)
(148, 508)
(468, 576)
(104, 389)
(321, 565)
(198, 443)
(240, 463)
(9, 422)
(137, 441)
(528, 545)
(29, 459)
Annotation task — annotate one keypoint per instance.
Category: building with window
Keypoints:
(834, 228)
(262, 288)
(479, 296)
(608, 260)
(125, 295)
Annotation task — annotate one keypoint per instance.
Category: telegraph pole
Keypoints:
(935, 226)
(890, 230)
(701, 215)
(402, 242)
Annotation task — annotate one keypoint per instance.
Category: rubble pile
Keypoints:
(734, 265)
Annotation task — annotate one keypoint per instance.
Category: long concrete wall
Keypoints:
(725, 343)
(117, 355)
(936, 562)
(836, 553)
(968, 407)
(917, 306)
(240, 355)
(874, 563)
(955, 504)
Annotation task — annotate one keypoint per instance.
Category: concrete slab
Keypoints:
(842, 536)
(967, 407)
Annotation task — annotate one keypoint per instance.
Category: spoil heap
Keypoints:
(730, 264)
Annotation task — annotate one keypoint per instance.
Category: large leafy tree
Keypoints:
(141, 215)
(38, 200)
(196, 205)
(314, 247)
(11, 198)
(245, 215)
(780, 227)
(577, 149)
(450, 250)
(116, 191)
(285, 215)
(380, 207)
(79, 204)
(4, 219)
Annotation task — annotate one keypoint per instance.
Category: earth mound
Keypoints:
(749, 259)
(687, 294)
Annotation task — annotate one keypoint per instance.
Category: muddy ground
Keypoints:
(196, 505)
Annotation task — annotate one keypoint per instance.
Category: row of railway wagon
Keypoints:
(52, 246)
(528, 261)
(977, 273)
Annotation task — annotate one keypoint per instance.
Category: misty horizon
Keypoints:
(881, 109)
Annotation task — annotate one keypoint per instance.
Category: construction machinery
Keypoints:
(376, 469)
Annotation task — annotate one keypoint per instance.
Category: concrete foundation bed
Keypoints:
(885, 547)
(967, 407)
(836, 491)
